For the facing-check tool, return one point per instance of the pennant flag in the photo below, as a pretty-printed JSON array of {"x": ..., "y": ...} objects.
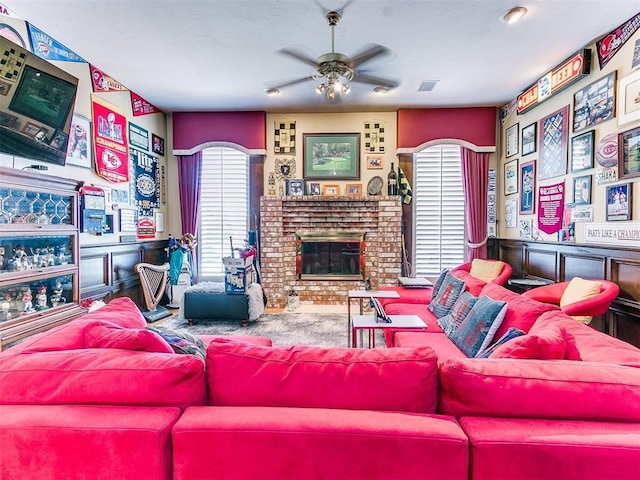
[
  {"x": 46, "y": 47},
  {"x": 104, "y": 83},
  {"x": 140, "y": 106},
  {"x": 405, "y": 189}
]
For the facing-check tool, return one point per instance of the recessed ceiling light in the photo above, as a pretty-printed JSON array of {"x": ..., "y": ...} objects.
[
  {"x": 272, "y": 91},
  {"x": 513, "y": 15},
  {"x": 381, "y": 89}
]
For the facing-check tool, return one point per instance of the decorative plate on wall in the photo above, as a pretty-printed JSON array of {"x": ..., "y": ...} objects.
[{"x": 374, "y": 187}]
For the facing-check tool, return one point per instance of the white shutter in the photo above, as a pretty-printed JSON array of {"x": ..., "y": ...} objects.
[
  {"x": 223, "y": 208},
  {"x": 439, "y": 210}
]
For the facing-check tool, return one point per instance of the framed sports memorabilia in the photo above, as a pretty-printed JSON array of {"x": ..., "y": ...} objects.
[
  {"x": 619, "y": 202},
  {"x": 629, "y": 153},
  {"x": 529, "y": 139},
  {"x": 628, "y": 95},
  {"x": 553, "y": 136},
  {"x": 512, "y": 141},
  {"x": 595, "y": 103},
  {"x": 511, "y": 177},
  {"x": 582, "y": 190},
  {"x": 527, "y": 187},
  {"x": 582, "y": 151}
]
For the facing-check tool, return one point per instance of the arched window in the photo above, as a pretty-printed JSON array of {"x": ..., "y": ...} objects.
[
  {"x": 224, "y": 205},
  {"x": 439, "y": 210}
]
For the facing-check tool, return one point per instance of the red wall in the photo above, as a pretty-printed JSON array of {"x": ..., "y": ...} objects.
[
  {"x": 474, "y": 125},
  {"x": 242, "y": 128}
]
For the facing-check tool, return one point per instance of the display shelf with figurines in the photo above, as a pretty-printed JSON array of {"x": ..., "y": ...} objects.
[{"x": 39, "y": 253}]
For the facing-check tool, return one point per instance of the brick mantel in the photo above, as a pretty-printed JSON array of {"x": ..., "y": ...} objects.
[{"x": 281, "y": 218}]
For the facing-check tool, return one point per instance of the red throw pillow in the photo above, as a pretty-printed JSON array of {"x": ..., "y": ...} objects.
[
  {"x": 522, "y": 313},
  {"x": 472, "y": 284},
  {"x": 546, "y": 344},
  {"x": 392, "y": 379},
  {"x": 114, "y": 336}
]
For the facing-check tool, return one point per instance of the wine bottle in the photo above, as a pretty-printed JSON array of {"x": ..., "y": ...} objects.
[{"x": 392, "y": 181}]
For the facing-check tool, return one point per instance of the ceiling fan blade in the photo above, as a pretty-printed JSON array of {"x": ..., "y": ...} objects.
[
  {"x": 293, "y": 82},
  {"x": 362, "y": 78},
  {"x": 367, "y": 55},
  {"x": 299, "y": 56}
]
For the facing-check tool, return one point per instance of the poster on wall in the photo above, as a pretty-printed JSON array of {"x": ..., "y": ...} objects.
[
  {"x": 79, "y": 146},
  {"x": 145, "y": 184},
  {"x": 146, "y": 227},
  {"x": 550, "y": 207},
  {"x": 110, "y": 140},
  {"x": 491, "y": 204}
]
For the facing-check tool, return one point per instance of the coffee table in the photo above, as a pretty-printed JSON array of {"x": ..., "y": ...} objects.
[
  {"x": 370, "y": 323},
  {"x": 361, "y": 295}
]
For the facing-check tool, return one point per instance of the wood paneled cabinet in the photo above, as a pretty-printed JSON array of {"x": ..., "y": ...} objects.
[{"x": 39, "y": 253}]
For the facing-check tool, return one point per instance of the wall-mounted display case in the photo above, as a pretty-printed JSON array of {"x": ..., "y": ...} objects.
[{"x": 39, "y": 253}]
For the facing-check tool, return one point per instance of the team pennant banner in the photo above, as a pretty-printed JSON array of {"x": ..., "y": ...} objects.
[
  {"x": 550, "y": 207},
  {"x": 141, "y": 107},
  {"x": 110, "y": 140},
  {"x": 46, "y": 47},
  {"x": 611, "y": 43},
  {"x": 104, "y": 83}
]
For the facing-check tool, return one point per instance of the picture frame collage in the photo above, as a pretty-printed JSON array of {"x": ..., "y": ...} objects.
[{"x": 566, "y": 145}]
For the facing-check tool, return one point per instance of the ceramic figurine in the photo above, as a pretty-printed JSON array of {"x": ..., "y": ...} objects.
[
  {"x": 57, "y": 298},
  {"x": 1, "y": 258}
]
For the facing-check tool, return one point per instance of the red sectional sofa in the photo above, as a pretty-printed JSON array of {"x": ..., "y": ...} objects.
[{"x": 102, "y": 398}]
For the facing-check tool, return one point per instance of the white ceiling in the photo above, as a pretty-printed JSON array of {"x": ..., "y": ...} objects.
[{"x": 213, "y": 55}]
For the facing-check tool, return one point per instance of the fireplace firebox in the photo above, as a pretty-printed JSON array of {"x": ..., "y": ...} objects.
[{"x": 330, "y": 256}]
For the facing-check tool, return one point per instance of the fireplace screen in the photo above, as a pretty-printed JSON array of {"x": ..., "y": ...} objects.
[{"x": 333, "y": 256}]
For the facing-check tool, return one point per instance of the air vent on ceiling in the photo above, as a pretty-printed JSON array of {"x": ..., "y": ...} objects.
[{"x": 427, "y": 86}]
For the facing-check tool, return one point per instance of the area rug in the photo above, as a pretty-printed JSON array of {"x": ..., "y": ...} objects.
[{"x": 319, "y": 329}]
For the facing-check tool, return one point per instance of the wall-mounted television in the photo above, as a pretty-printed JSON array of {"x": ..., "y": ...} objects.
[{"x": 36, "y": 105}]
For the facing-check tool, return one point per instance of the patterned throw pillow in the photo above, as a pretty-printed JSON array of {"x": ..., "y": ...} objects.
[
  {"x": 182, "y": 342},
  {"x": 450, "y": 322},
  {"x": 478, "y": 328},
  {"x": 512, "y": 333},
  {"x": 447, "y": 295},
  {"x": 438, "y": 284}
]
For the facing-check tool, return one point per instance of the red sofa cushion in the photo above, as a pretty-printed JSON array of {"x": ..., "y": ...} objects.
[
  {"x": 561, "y": 389},
  {"x": 102, "y": 376},
  {"x": 547, "y": 344},
  {"x": 86, "y": 441},
  {"x": 110, "y": 335},
  {"x": 121, "y": 311},
  {"x": 503, "y": 448},
  {"x": 438, "y": 342},
  {"x": 420, "y": 296},
  {"x": 472, "y": 284},
  {"x": 398, "y": 379},
  {"x": 306, "y": 443},
  {"x": 585, "y": 343},
  {"x": 522, "y": 313}
]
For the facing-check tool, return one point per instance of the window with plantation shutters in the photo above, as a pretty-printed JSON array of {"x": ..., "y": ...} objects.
[
  {"x": 439, "y": 210},
  {"x": 224, "y": 203}
]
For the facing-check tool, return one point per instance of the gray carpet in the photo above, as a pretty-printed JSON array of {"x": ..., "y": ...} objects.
[{"x": 319, "y": 329}]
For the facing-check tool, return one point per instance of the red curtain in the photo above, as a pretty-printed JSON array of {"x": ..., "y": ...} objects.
[
  {"x": 189, "y": 167},
  {"x": 475, "y": 178}
]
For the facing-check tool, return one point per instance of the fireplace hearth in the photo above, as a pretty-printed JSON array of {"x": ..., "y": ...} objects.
[{"x": 330, "y": 256}]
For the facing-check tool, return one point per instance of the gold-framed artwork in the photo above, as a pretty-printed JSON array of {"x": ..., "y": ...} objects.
[
  {"x": 354, "y": 189},
  {"x": 331, "y": 190},
  {"x": 375, "y": 162}
]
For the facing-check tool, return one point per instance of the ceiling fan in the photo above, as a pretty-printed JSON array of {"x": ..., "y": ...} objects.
[{"x": 335, "y": 70}]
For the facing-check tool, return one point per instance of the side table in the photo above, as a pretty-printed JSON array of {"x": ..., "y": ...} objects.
[
  {"x": 371, "y": 323},
  {"x": 361, "y": 295}
]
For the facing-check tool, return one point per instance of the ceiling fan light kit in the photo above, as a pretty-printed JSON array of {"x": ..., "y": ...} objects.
[{"x": 335, "y": 70}]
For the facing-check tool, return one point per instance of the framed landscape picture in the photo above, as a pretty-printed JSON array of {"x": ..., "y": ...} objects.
[
  {"x": 331, "y": 156},
  {"x": 554, "y": 132},
  {"x": 529, "y": 139},
  {"x": 595, "y": 103}
]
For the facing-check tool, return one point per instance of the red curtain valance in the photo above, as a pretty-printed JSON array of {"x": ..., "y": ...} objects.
[
  {"x": 247, "y": 129},
  {"x": 476, "y": 126}
]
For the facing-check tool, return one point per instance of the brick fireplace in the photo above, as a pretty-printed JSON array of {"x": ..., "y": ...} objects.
[{"x": 376, "y": 220}]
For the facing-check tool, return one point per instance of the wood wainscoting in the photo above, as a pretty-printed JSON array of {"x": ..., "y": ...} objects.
[
  {"x": 107, "y": 271},
  {"x": 558, "y": 262}
]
